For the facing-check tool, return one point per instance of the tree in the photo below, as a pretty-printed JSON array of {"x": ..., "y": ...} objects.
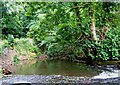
[
  {"x": 73, "y": 31},
  {"x": 14, "y": 19}
]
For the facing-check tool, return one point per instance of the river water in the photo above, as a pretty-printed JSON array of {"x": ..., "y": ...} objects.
[
  {"x": 65, "y": 68},
  {"x": 61, "y": 72}
]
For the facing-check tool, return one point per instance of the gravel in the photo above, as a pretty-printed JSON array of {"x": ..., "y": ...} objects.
[{"x": 53, "y": 79}]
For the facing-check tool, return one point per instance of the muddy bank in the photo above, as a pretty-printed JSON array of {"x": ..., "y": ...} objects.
[{"x": 36, "y": 79}]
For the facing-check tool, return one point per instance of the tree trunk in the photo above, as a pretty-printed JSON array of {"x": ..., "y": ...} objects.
[{"x": 93, "y": 29}]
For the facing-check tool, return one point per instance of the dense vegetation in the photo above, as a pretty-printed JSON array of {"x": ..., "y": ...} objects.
[{"x": 74, "y": 31}]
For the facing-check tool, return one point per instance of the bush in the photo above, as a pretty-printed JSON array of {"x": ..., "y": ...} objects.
[{"x": 107, "y": 49}]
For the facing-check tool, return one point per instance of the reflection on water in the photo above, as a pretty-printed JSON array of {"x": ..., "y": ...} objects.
[{"x": 57, "y": 68}]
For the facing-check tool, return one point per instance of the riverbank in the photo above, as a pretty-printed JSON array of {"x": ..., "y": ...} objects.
[{"x": 37, "y": 79}]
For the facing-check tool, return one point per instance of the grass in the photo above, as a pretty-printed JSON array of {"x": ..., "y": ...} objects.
[
  {"x": 24, "y": 47},
  {"x": 1, "y": 73}
]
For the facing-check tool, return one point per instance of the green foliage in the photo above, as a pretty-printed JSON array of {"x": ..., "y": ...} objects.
[
  {"x": 108, "y": 49},
  {"x": 62, "y": 29},
  {"x": 11, "y": 42},
  {"x": 25, "y": 45},
  {"x": 59, "y": 35},
  {"x": 8, "y": 43},
  {"x": 1, "y": 50},
  {"x": 1, "y": 72},
  {"x": 16, "y": 59},
  {"x": 14, "y": 21},
  {"x": 3, "y": 44}
]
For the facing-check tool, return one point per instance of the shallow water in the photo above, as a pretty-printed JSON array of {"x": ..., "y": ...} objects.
[
  {"x": 110, "y": 71},
  {"x": 65, "y": 68}
]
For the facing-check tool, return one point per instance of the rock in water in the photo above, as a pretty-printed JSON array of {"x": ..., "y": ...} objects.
[{"x": 6, "y": 71}]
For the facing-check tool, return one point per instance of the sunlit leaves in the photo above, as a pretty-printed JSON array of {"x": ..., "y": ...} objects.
[{"x": 56, "y": 29}]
